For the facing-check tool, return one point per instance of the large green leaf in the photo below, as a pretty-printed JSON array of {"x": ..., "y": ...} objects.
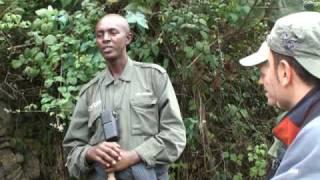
[
  {"x": 31, "y": 72},
  {"x": 137, "y": 18},
  {"x": 42, "y": 12},
  {"x": 50, "y": 39},
  {"x": 16, "y": 63}
]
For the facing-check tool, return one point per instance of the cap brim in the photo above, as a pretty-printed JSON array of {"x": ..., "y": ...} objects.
[{"x": 256, "y": 58}]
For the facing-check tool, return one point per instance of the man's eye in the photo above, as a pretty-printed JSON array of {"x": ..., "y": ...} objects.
[
  {"x": 113, "y": 32},
  {"x": 99, "y": 35}
]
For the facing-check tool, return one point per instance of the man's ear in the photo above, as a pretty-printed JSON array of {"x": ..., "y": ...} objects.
[
  {"x": 129, "y": 38},
  {"x": 284, "y": 73}
]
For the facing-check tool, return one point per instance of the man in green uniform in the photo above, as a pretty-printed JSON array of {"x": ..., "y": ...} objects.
[{"x": 141, "y": 97}]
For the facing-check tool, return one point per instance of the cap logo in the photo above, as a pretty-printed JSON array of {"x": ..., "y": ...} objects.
[{"x": 288, "y": 44}]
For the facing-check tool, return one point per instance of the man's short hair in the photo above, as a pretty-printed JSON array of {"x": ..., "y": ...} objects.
[{"x": 302, "y": 73}]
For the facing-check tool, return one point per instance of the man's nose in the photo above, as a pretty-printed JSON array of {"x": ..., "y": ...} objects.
[
  {"x": 260, "y": 81},
  {"x": 106, "y": 37}
]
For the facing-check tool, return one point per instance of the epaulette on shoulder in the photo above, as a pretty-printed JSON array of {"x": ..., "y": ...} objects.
[
  {"x": 89, "y": 84},
  {"x": 151, "y": 65}
]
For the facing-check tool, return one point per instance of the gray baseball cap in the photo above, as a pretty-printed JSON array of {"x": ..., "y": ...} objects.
[
  {"x": 296, "y": 35},
  {"x": 258, "y": 57}
]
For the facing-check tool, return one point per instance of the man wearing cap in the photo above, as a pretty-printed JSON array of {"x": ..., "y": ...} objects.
[{"x": 289, "y": 64}]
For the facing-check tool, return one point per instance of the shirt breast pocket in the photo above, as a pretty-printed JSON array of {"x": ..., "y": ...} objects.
[{"x": 145, "y": 116}]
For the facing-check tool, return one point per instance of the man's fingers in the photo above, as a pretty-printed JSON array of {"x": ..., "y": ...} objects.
[
  {"x": 112, "y": 150},
  {"x": 105, "y": 157},
  {"x": 107, "y": 153},
  {"x": 101, "y": 161},
  {"x": 113, "y": 145}
]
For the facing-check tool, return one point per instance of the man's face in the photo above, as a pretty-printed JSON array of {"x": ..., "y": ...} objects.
[
  {"x": 269, "y": 81},
  {"x": 112, "y": 37}
]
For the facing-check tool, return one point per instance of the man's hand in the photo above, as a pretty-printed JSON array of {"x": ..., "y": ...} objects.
[
  {"x": 128, "y": 158},
  {"x": 106, "y": 153}
]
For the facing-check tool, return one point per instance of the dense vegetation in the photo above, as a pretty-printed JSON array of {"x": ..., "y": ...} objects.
[{"x": 48, "y": 50}]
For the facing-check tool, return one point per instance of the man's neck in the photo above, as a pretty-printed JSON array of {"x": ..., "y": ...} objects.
[
  {"x": 117, "y": 66},
  {"x": 299, "y": 92}
]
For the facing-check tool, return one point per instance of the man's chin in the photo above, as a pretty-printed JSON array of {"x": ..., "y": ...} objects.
[
  {"x": 272, "y": 102},
  {"x": 109, "y": 57}
]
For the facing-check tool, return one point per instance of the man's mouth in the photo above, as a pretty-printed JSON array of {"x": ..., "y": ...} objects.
[{"x": 107, "y": 49}]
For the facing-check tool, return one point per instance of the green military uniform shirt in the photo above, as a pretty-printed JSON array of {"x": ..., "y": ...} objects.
[{"x": 150, "y": 120}]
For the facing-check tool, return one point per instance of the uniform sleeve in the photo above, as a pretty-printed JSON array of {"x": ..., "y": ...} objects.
[
  {"x": 76, "y": 140},
  {"x": 301, "y": 158},
  {"x": 169, "y": 143}
]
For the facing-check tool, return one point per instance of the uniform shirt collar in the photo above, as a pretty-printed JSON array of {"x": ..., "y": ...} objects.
[{"x": 125, "y": 76}]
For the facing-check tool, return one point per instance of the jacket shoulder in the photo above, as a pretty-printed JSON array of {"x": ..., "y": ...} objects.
[
  {"x": 92, "y": 82},
  {"x": 149, "y": 66}
]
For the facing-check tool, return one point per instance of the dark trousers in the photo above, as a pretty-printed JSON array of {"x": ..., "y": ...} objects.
[
  {"x": 137, "y": 172},
  {"x": 142, "y": 172}
]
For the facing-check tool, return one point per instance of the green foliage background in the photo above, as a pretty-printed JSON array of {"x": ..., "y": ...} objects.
[{"x": 48, "y": 52}]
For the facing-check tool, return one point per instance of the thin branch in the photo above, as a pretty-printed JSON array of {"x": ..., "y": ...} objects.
[
  {"x": 20, "y": 46},
  {"x": 5, "y": 36},
  {"x": 247, "y": 16},
  {"x": 2, "y": 91},
  {"x": 7, "y": 9},
  {"x": 174, "y": 61},
  {"x": 194, "y": 60}
]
